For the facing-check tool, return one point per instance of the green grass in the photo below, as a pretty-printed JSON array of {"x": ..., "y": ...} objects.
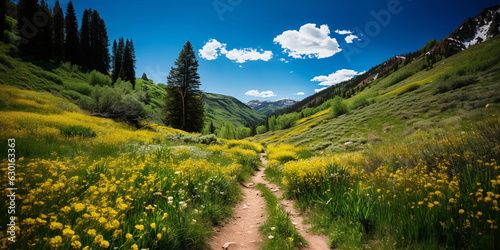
[
  {"x": 278, "y": 231},
  {"x": 71, "y": 82}
]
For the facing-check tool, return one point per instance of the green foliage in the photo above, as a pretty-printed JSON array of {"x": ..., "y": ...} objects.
[
  {"x": 184, "y": 105},
  {"x": 400, "y": 78},
  {"x": 359, "y": 103},
  {"x": 222, "y": 108},
  {"x": 197, "y": 139},
  {"x": 448, "y": 83},
  {"x": 78, "y": 131},
  {"x": 278, "y": 231},
  {"x": 338, "y": 107},
  {"x": 261, "y": 129},
  {"x": 227, "y": 131},
  {"x": 96, "y": 78},
  {"x": 409, "y": 88},
  {"x": 116, "y": 103}
]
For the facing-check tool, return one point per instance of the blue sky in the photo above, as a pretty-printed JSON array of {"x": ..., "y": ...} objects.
[{"x": 268, "y": 50}]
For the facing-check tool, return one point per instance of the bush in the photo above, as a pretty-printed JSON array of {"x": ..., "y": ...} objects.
[
  {"x": 74, "y": 131},
  {"x": 96, "y": 78},
  {"x": 451, "y": 83},
  {"x": 338, "y": 107},
  {"x": 49, "y": 76},
  {"x": 359, "y": 103},
  {"x": 198, "y": 139},
  {"x": 80, "y": 87}
]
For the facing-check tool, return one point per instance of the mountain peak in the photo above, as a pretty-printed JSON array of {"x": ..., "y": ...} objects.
[
  {"x": 476, "y": 30},
  {"x": 269, "y": 107}
]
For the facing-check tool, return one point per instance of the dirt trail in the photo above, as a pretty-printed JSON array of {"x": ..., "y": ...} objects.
[{"x": 242, "y": 231}]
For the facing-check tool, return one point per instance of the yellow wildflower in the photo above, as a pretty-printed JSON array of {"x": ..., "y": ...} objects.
[
  {"x": 76, "y": 244},
  {"x": 55, "y": 225},
  {"x": 56, "y": 241},
  {"x": 104, "y": 244}
]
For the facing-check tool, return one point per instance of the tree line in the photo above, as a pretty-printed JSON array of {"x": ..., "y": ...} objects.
[{"x": 49, "y": 34}]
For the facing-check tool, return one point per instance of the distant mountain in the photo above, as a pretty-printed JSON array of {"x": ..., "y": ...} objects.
[
  {"x": 479, "y": 29},
  {"x": 269, "y": 107},
  {"x": 473, "y": 31},
  {"x": 221, "y": 108}
]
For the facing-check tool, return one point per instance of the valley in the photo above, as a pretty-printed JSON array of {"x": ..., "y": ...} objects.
[{"x": 405, "y": 155}]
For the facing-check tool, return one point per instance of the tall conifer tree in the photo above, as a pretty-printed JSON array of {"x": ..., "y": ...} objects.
[
  {"x": 3, "y": 7},
  {"x": 129, "y": 62},
  {"x": 183, "y": 105},
  {"x": 28, "y": 31},
  {"x": 72, "y": 41},
  {"x": 85, "y": 46},
  {"x": 58, "y": 32},
  {"x": 45, "y": 40}
]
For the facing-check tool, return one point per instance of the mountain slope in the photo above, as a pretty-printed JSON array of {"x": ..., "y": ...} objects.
[
  {"x": 70, "y": 82},
  {"x": 270, "y": 107},
  {"x": 456, "y": 90},
  {"x": 221, "y": 108},
  {"x": 481, "y": 28}
]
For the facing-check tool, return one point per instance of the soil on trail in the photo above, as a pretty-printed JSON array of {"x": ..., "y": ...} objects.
[{"x": 242, "y": 231}]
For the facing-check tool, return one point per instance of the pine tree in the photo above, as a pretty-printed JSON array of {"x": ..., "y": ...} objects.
[
  {"x": 3, "y": 7},
  {"x": 129, "y": 62},
  {"x": 46, "y": 33},
  {"x": 184, "y": 105},
  {"x": 58, "y": 32},
  {"x": 118, "y": 50},
  {"x": 144, "y": 77},
  {"x": 71, "y": 45},
  {"x": 29, "y": 32},
  {"x": 99, "y": 57},
  {"x": 85, "y": 46}
]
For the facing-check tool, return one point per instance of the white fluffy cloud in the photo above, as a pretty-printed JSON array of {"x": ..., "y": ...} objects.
[
  {"x": 248, "y": 54},
  {"x": 308, "y": 42},
  {"x": 343, "y": 32},
  {"x": 319, "y": 90},
  {"x": 336, "y": 77},
  {"x": 350, "y": 38},
  {"x": 300, "y": 93},
  {"x": 213, "y": 49},
  {"x": 264, "y": 94}
]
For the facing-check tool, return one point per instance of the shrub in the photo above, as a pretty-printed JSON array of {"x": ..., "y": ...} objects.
[
  {"x": 452, "y": 83},
  {"x": 199, "y": 139},
  {"x": 74, "y": 131},
  {"x": 96, "y": 78},
  {"x": 338, "y": 107},
  {"x": 359, "y": 103}
]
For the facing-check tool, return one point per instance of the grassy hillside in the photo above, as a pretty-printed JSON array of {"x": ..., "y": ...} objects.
[
  {"x": 96, "y": 183},
  {"x": 70, "y": 82},
  {"x": 413, "y": 164},
  {"x": 221, "y": 108},
  {"x": 455, "y": 91}
]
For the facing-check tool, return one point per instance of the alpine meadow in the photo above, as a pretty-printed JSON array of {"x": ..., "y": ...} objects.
[{"x": 249, "y": 124}]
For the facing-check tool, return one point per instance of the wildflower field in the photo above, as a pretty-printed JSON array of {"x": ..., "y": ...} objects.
[
  {"x": 432, "y": 190},
  {"x": 91, "y": 183}
]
